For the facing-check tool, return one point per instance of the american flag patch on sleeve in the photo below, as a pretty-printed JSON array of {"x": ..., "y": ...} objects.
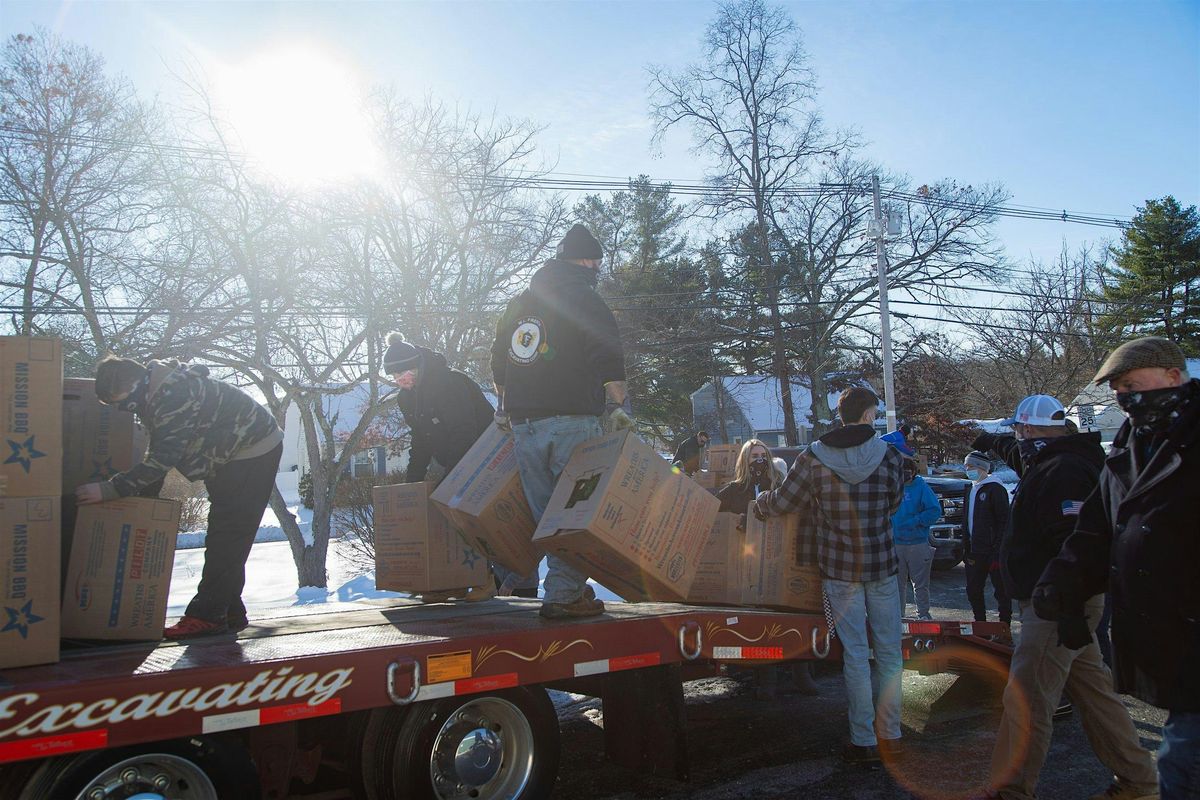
[{"x": 1071, "y": 508}]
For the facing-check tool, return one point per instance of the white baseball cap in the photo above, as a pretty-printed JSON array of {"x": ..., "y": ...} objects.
[{"x": 1038, "y": 409}]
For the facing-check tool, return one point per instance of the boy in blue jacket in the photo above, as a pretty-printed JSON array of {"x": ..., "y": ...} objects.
[{"x": 918, "y": 510}]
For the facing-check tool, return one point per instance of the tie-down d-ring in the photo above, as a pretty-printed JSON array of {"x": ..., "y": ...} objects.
[
  {"x": 684, "y": 629},
  {"x": 819, "y": 652},
  {"x": 393, "y": 669}
]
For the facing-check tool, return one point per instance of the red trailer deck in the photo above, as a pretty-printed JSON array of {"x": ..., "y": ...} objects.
[{"x": 449, "y": 698}]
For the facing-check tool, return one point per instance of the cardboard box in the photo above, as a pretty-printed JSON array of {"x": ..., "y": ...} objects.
[
  {"x": 98, "y": 440},
  {"x": 707, "y": 479},
  {"x": 31, "y": 378},
  {"x": 119, "y": 573},
  {"x": 719, "y": 575},
  {"x": 723, "y": 457},
  {"x": 29, "y": 571},
  {"x": 484, "y": 498},
  {"x": 416, "y": 548},
  {"x": 624, "y": 517},
  {"x": 775, "y": 575}
]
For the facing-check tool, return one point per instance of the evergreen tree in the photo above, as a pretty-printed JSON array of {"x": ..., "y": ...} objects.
[{"x": 1155, "y": 280}]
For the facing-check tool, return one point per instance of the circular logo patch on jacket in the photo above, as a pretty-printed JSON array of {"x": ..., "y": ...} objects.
[{"x": 528, "y": 340}]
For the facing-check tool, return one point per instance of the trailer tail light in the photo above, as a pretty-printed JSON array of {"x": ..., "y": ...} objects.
[{"x": 922, "y": 628}]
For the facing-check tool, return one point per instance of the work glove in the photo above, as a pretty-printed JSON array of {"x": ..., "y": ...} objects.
[
  {"x": 1047, "y": 602},
  {"x": 1073, "y": 631},
  {"x": 617, "y": 420},
  {"x": 756, "y": 507},
  {"x": 741, "y": 523},
  {"x": 502, "y": 421}
]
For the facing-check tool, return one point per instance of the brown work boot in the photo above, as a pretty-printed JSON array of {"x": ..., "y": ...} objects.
[
  {"x": 586, "y": 606},
  {"x": 443, "y": 596}
]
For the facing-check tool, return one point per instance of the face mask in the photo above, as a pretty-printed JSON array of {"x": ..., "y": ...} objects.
[
  {"x": 1154, "y": 410},
  {"x": 973, "y": 474},
  {"x": 758, "y": 466},
  {"x": 136, "y": 399},
  {"x": 1029, "y": 448}
]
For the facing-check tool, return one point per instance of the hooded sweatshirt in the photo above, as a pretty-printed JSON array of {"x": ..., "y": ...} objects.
[
  {"x": 196, "y": 424},
  {"x": 557, "y": 345},
  {"x": 848, "y": 484},
  {"x": 446, "y": 413}
]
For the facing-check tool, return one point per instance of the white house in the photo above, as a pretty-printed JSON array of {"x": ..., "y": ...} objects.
[{"x": 752, "y": 407}]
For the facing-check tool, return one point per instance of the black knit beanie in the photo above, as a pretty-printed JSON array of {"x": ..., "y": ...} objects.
[
  {"x": 400, "y": 356},
  {"x": 579, "y": 243}
]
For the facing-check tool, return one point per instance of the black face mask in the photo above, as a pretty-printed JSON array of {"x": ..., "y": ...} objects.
[
  {"x": 1029, "y": 448},
  {"x": 136, "y": 399},
  {"x": 1155, "y": 410},
  {"x": 758, "y": 467}
]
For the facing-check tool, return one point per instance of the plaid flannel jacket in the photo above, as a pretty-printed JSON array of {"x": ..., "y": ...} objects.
[{"x": 852, "y": 522}]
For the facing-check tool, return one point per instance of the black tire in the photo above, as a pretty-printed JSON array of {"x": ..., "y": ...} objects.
[
  {"x": 224, "y": 764},
  {"x": 372, "y": 739},
  {"x": 522, "y": 726}
]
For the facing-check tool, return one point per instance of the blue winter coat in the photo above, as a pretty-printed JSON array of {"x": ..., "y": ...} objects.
[{"x": 919, "y": 509}]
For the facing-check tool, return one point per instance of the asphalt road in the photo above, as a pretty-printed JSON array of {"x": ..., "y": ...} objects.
[{"x": 790, "y": 747}]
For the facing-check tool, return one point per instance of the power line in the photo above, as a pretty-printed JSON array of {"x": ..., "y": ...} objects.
[{"x": 553, "y": 182}]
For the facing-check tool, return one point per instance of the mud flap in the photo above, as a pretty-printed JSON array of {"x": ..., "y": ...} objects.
[{"x": 645, "y": 723}]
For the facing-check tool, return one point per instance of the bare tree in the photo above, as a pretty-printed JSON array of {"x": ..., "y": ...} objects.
[
  {"x": 750, "y": 103},
  {"x": 72, "y": 181}
]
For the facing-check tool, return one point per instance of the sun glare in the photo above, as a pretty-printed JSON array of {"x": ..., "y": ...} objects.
[{"x": 299, "y": 113}]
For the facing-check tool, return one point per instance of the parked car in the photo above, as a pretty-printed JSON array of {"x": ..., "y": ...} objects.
[{"x": 947, "y": 533}]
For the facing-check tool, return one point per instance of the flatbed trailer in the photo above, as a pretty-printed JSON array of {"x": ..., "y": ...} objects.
[{"x": 401, "y": 700}]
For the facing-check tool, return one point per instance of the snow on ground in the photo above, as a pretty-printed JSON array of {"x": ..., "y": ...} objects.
[{"x": 271, "y": 589}]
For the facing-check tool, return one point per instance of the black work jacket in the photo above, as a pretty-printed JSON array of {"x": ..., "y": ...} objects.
[
  {"x": 1139, "y": 537},
  {"x": 446, "y": 412}
]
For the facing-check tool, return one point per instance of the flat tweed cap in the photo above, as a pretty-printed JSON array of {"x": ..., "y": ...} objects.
[{"x": 1149, "y": 351}]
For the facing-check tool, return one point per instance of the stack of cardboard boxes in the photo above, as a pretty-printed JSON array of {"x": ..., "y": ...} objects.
[
  {"x": 54, "y": 436},
  {"x": 30, "y": 485},
  {"x": 619, "y": 513},
  {"x": 720, "y": 465},
  {"x": 120, "y": 553}
]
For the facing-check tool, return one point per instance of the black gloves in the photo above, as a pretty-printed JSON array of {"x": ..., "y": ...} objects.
[
  {"x": 1073, "y": 629},
  {"x": 1074, "y": 632},
  {"x": 1047, "y": 602}
]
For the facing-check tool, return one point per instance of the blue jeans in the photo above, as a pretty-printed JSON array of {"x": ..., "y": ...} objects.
[
  {"x": 854, "y": 605},
  {"x": 544, "y": 447},
  {"x": 1179, "y": 757}
]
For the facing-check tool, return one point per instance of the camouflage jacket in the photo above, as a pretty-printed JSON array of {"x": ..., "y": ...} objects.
[{"x": 196, "y": 424}]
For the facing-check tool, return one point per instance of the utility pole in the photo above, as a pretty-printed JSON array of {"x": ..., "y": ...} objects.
[{"x": 885, "y": 322}]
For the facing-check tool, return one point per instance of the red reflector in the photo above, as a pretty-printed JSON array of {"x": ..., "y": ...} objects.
[
  {"x": 924, "y": 628},
  {"x": 53, "y": 745},
  {"x": 762, "y": 652},
  {"x": 274, "y": 714}
]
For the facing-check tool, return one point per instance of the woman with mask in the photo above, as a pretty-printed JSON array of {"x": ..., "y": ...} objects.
[
  {"x": 207, "y": 430},
  {"x": 753, "y": 473}
]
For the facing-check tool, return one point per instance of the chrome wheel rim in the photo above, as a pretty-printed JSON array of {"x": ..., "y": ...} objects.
[
  {"x": 150, "y": 776},
  {"x": 483, "y": 751}
]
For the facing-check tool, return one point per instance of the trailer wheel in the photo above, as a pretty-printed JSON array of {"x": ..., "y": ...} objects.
[
  {"x": 185, "y": 769},
  {"x": 501, "y": 746}
]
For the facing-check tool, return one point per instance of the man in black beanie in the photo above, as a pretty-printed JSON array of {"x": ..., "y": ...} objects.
[
  {"x": 444, "y": 409},
  {"x": 559, "y": 368}
]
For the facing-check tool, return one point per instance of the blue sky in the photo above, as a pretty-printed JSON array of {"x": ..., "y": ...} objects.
[{"x": 1089, "y": 106}]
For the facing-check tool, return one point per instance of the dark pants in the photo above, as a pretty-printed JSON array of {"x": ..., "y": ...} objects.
[
  {"x": 1102, "y": 637},
  {"x": 237, "y": 494},
  {"x": 978, "y": 574}
]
